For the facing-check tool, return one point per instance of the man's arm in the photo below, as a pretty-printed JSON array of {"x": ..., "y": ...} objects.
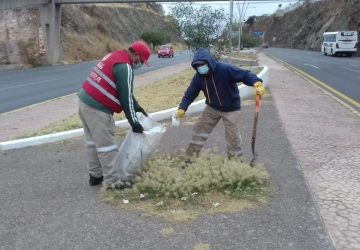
[
  {"x": 245, "y": 76},
  {"x": 190, "y": 94},
  {"x": 124, "y": 86}
]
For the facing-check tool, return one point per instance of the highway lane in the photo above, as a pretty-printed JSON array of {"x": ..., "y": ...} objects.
[
  {"x": 340, "y": 73},
  {"x": 25, "y": 87}
]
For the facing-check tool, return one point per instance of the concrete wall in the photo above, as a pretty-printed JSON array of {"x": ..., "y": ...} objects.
[{"x": 17, "y": 25}]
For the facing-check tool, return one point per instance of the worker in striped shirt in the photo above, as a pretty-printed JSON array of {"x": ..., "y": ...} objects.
[{"x": 107, "y": 90}]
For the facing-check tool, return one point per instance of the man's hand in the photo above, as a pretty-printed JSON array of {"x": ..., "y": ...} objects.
[
  {"x": 180, "y": 113},
  {"x": 137, "y": 128},
  {"x": 140, "y": 109},
  {"x": 259, "y": 89}
]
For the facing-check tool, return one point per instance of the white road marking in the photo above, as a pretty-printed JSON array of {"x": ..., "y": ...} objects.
[
  {"x": 27, "y": 84},
  {"x": 358, "y": 71},
  {"x": 311, "y": 66}
]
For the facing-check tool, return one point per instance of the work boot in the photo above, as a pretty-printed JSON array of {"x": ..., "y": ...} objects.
[{"x": 94, "y": 181}]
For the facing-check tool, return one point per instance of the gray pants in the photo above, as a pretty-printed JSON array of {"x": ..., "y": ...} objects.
[
  {"x": 100, "y": 143},
  {"x": 207, "y": 122}
]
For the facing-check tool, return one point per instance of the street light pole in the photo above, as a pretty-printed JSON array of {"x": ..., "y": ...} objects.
[
  {"x": 231, "y": 21},
  {"x": 231, "y": 12},
  {"x": 242, "y": 11}
]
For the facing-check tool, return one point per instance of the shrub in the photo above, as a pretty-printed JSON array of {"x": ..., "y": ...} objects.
[
  {"x": 29, "y": 53},
  {"x": 155, "y": 38},
  {"x": 165, "y": 177}
]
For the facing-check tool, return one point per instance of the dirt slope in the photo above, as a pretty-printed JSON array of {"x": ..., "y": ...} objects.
[{"x": 89, "y": 31}]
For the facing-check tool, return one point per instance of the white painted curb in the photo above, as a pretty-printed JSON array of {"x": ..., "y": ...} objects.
[{"x": 195, "y": 107}]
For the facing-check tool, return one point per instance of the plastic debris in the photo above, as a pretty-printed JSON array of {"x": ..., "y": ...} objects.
[
  {"x": 174, "y": 121},
  {"x": 193, "y": 194},
  {"x": 142, "y": 196},
  {"x": 184, "y": 198},
  {"x": 160, "y": 203},
  {"x": 216, "y": 204},
  {"x": 125, "y": 201}
]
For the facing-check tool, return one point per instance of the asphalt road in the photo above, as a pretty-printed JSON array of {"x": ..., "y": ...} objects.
[
  {"x": 21, "y": 88},
  {"x": 340, "y": 73}
]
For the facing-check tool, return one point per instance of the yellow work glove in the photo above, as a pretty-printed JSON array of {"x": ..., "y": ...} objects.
[
  {"x": 180, "y": 113},
  {"x": 259, "y": 89}
]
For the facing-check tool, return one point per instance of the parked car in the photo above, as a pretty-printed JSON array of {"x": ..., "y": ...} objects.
[
  {"x": 265, "y": 45},
  {"x": 166, "y": 51}
]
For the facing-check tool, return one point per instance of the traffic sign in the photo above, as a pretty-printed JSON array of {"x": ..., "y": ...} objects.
[{"x": 259, "y": 33}]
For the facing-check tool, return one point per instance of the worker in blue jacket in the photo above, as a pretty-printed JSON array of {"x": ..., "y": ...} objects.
[{"x": 219, "y": 83}]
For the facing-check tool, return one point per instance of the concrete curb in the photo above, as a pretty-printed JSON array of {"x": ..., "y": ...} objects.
[{"x": 245, "y": 92}]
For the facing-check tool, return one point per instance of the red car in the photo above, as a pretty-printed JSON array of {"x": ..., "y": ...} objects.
[{"x": 166, "y": 51}]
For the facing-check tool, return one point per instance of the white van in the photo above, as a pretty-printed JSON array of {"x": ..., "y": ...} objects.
[{"x": 339, "y": 42}]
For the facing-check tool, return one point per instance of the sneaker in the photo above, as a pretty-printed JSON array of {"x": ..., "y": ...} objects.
[{"x": 94, "y": 181}]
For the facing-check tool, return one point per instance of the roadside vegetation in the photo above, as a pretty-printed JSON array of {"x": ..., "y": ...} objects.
[{"x": 211, "y": 184}]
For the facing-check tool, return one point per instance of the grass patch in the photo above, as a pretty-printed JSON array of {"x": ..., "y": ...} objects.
[
  {"x": 244, "y": 55},
  {"x": 211, "y": 184},
  {"x": 69, "y": 123},
  {"x": 166, "y": 232},
  {"x": 202, "y": 246}
]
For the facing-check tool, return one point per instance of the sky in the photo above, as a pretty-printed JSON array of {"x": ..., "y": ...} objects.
[{"x": 253, "y": 9}]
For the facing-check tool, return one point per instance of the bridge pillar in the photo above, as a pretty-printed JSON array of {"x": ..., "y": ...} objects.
[{"x": 50, "y": 18}]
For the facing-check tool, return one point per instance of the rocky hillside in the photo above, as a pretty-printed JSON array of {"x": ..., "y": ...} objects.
[
  {"x": 90, "y": 31},
  {"x": 303, "y": 27},
  {"x": 87, "y": 31}
]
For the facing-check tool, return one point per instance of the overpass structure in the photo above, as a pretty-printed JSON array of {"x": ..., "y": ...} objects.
[{"x": 50, "y": 17}]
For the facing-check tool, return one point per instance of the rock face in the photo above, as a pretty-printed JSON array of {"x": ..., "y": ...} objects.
[
  {"x": 302, "y": 28},
  {"x": 87, "y": 31}
]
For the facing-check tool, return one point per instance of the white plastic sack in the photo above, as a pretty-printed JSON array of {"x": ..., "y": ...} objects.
[
  {"x": 137, "y": 149},
  {"x": 175, "y": 122}
]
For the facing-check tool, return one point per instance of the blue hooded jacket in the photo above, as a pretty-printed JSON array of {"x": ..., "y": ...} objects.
[{"x": 219, "y": 86}]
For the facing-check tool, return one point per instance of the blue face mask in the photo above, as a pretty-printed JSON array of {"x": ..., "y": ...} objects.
[
  {"x": 203, "y": 70},
  {"x": 137, "y": 66}
]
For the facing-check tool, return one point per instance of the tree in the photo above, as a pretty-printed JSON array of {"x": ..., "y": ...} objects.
[
  {"x": 155, "y": 38},
  {"x": 199, "y": 27},
  {"x": 251, "y": 20}
]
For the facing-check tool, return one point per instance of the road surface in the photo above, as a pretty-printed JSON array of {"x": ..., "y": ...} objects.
[
  {"x": 21, "y": 88},
  {"x": 340, "y": 73}
]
